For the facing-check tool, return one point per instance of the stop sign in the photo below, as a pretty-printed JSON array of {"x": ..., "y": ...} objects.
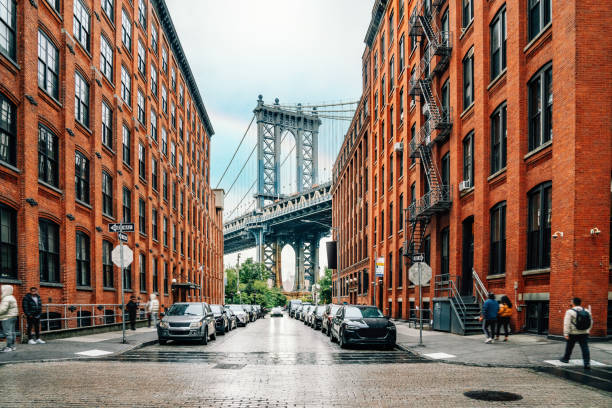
[{"x": 128, "y": 256}]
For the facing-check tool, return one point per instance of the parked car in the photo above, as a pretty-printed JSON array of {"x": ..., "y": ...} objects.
[
  {"x": 298, "y": 311},
  {"x": 241, "y": 315},
  {"x": 307, "y": 313},
  {"x": 316, "y": 318},
  {"x": 355, "y": 324},
  {"x": 233, "y": 320},
  {"x": 187, "y": 321},
  {"x": 328, "y": 315},
  {"x": 221, "y": 320},
  {"x": 293, "y": 306},
  {"x": 251, "y": 312},
  {"x": 304, "y": 310},
  {"x": 276, "y": 312},
  {"x": 259, "y": 310}
]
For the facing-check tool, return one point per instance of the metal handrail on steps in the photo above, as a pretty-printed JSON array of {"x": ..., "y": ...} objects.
[{"x": 479, "y": 288}]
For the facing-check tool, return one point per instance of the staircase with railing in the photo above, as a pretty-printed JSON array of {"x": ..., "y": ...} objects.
[{"x": 465, "y": 309}]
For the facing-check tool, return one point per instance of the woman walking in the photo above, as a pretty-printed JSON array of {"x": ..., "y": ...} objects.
[
  {"x": 504, "y": 314},
  {"x": 8, "y": 316}
]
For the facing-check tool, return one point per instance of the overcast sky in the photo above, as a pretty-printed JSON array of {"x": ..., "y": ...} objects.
[{"x": 296, "y": 50}]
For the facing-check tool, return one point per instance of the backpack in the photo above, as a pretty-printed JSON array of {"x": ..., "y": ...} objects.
[{"x": 583, "y": 319}]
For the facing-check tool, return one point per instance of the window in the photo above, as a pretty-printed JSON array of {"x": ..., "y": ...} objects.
[
  {"x": 538, "y": 238},
  {"x": 142, "y": 14},
  {"x": 400, "y": 208},
  {"x": 48, "y": 251},
  {"x": 165, "y": 231},
  {"x": 164, "y": 60},
  {"x": 539, "y": 16},
  {"x": 174, "y": 195},
  {"x": 400, "y": 268},
  {"x": 180, "y": 164},
  {"x": 375, "y": 64},
  {"x": 126, "y": 30},
  {"x": 81, "y": 99},
  {"x": 402, "y": 54},
  {"x": 391, "y": 27},
  {"x": 540, "y": 98},
  {"x": 173, "y": 114},
  {"x": 401, "y": 106},
  {"x": 390, "y": 273},
  {"x": 142, "y": 167},
  {"x": 48, "y": 153},
  {"x": 155, "y": 275},
  {"x": 107, "y": 264},
  {"x": 446, "y": 99},
  {"x": 126, "y": 86},
  {"x": 109, "y": 8},
  {"x": 498, "y": 139},
  {"x": 164, "y": 138},
  {"x": 173, "y": 154},
  {"x": 127, "y": 277},
  {"x": 154, "y": 174},
  {"x": 154, "y": 224},
  {"x": 127, "y": 205},
  {"x": 154, "y": 81},
  {"x": 81, "y": 177},
  {"x": 382, "y": 48},
  {"x": 497, "y": 264},
  {"x": 48, "y": 65},
  {"x": 391, "y": 171},
  {"x": 468, "y": 158},
  {"x": 174, "y": 237},
  {"x": 8, "y": 242},
  {"x": 468, "y": 12},
  {"x": 127, "y": 143},
  {"x": 106, "y": 58},
  {"x": 444, "y": 261},
  {"x": 382, "y": 225},
  {"x": 498, "y": 43},
  {"x": 107, "y": 194},
  {"x": 142, "y": 59},
  {"x": 391, "y": 74},
  {"x": 164, "y": 97},
  {"x": 173, "y": 79},
  {"x": 165, "y": 277},
  {"x": 181, "y": 95},
  {"x": 382, "y": 92},
  {"x": 142, "y": 217},
  {"x": 181, "y": 133},
  {"x": 165, "y": 185},
  {"x": 82, "y": 259},
  {"x": 154, "y": 38},
  {"x": 445, "y": 169},
  {"x": 468, "y": 79},
  {"x": 142, "y": 269},
  {"x": 390, "y": 219},
  {"x": 141, "y": 107},
  {"x": 81, "y": 24},
  {"x": 8, "y": 131}
]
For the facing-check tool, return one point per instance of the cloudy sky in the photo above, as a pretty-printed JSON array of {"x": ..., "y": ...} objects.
[{"x": 305, "y": 51}]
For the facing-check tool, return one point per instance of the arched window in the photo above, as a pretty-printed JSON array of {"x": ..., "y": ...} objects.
[
  {"x": 8, "y": 242},
  {"x": 497, "y": 263},
  {"x": 107, "y": 264},
  {"x": 8, "y": 131},
  {"x": 82, "y": 259},
  {"x": 48, "y": 251}
]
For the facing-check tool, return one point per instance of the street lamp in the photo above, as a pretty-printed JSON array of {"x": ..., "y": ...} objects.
[{"x": 337, "y": 267}]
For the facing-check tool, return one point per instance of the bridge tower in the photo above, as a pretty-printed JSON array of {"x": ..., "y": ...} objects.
[{"x": 272, "y": 122}]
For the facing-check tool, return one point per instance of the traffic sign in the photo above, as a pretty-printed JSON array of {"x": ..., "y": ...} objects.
[
  {"x": 122, "y": 237},
  {"x": 128, "y": 256},
  {"x": 121, "y": 227},
  {"x": 380, "y": 266},
  {"x": 420, "y": 273},
  {"x": 418, "y": 258}
]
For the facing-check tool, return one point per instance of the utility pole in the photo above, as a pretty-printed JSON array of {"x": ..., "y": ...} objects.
[{"x": 238, "y": 278}]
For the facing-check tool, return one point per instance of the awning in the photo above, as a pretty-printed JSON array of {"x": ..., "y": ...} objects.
[{"x": 187, "y": 285}]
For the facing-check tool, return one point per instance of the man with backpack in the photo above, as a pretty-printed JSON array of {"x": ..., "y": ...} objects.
[{"x": 576, "y": 326}]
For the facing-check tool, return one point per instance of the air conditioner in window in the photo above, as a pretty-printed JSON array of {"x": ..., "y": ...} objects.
[
  {"x": 398, "y": 147},
  {"x": 464, "y": 185}
]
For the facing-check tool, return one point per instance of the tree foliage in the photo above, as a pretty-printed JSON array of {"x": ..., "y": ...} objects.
[
  {"x": 326, "y": 287},
  {"x": 254, "y": 288}
]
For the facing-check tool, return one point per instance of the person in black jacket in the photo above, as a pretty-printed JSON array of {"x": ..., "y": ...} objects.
[
  {"x": 132, "y": 308},
  {"x": 32, "y": 307}
]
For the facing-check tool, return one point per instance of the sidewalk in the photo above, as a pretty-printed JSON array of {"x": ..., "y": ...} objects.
[
  {"x": 93, "y": 345},
  {"x": 521, "y": 350}
]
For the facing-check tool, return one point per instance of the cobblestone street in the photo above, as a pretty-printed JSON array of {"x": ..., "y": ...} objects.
[{"x": 276, "y": 362}]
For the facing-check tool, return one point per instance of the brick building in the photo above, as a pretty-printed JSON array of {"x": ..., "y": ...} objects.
[
  {"x": 461, "y": 136},
  {"x": 101, "y": 122}
]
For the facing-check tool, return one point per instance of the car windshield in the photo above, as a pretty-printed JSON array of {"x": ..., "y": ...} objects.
[
  {"x": 237, "y": 308},
  {"x": 216, "y": 309},
  {"x": 334, "y": 309},
  {"x": 358, "y": 313},
  {"x": 186, "y": 309}
]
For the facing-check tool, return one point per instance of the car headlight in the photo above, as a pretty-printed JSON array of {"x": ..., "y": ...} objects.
[
  {"x": 352, "y": 327},
  {"x": 195, "y": 325},
  {"x": 163, "y": 325}
]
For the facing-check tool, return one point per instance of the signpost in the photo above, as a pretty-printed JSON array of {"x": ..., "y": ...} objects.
[
  {"x": 420, "y": 274},
  {"x": 378, "y": 273},
  {"x": 122, "y": 257}
]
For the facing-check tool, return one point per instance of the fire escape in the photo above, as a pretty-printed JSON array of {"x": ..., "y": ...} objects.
[{"x": 438, "y": 123}]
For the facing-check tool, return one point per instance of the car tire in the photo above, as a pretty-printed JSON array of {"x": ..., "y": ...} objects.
[
  {"x": 331, "y": 337},
  {"x": 204, "y": 339},
  {"x": 322, "y": 331},
  {"x": 223, "y": 329},
  {"x": 213, "y": 336},
  {"x": 163, "y": 342},
  {"x": 341, "y": 341}
]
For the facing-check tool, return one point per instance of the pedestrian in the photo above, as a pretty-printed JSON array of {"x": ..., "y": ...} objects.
[
  {"x": 140, "y": 308},
  {"x": 576, "y": 327},
  {"x": 153, "y": 309},
  {"x": 8, "y": 316},
  {"x": 489, "y": 317},
  {"x": 503, "y": 316},
  {"x": 132, "y": 308},
  {"x": 32, "y": 307}
]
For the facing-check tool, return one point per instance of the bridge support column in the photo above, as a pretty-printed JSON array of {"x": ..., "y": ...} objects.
[
  {"x": 272, "y": 262},
  {"x": 299, "y": 265}
]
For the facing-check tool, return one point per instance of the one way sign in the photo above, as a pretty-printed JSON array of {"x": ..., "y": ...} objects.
[{"x": 124, "y": 227}]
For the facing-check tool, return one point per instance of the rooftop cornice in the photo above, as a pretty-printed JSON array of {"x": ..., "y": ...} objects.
[
  {"x": 168, "y": 26},
  {"x": 378, "y": 11}
]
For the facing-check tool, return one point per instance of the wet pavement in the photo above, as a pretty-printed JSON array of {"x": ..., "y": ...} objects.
[{"x": 277, "y": 362}]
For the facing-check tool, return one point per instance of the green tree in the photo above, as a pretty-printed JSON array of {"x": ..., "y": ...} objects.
[
  {"x": 253, "y": 286},
  {"x": 326, "y": 287}
]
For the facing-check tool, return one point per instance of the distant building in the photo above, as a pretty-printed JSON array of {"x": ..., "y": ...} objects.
[
  {"x": 489, "y": 125},
  {"x": 101, "y": 122}
]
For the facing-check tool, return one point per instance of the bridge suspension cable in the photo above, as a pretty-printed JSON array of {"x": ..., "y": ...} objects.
[
  {"x": 241, "y": 170},
  {"x": 235, "y": 152}
]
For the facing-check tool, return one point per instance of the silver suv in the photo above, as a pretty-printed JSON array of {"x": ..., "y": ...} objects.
[{"x": 187, "y": 321}]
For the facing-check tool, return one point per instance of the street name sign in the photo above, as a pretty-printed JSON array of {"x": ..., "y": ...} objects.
[
  {"x": 122, "y": 237},
  {"x": 380, "y": 267},
  {"x": 121, "y": 227},
  {"x": 420, "y": 273},
  {"x": 128, "y": 256},
  {"x": 418, "y": 257}
]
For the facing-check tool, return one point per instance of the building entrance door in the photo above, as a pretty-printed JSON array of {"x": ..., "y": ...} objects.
[{"x": 467, "y": 257}]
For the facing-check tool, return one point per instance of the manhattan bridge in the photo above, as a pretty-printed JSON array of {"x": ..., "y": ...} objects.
[{"x": 281, "y": 191}]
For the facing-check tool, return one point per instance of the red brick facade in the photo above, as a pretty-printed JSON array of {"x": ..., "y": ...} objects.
[
  {"x": 198, "y": 219},
  {"x": 576, "y": 162}
]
